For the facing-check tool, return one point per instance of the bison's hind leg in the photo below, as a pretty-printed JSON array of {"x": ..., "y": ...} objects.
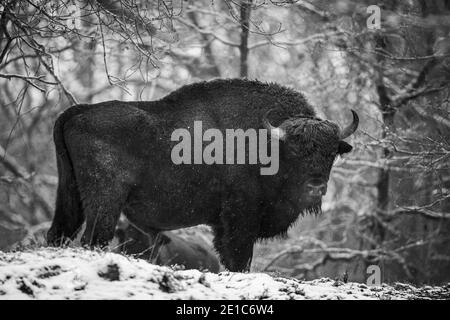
[
  {"x": 102, "y": 206},
  {"x": 104, "y": 186}
]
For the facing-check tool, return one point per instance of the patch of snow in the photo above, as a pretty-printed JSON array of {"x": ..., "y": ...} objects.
[{"x": 76, "y": 273}]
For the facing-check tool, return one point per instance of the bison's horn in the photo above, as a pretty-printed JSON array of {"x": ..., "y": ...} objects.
[
  {"x": 350, "y": 129},
  {"x": 277, "y": 133}
]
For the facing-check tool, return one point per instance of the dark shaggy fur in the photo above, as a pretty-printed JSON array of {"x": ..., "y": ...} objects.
[{"x": 115, "y": 157}]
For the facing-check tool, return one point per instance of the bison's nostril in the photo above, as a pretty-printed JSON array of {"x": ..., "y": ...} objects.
[{"x": 317, "y": 190}]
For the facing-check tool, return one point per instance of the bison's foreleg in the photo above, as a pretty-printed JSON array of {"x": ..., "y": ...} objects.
[
  {"x": 235, "y": 249},
  {"x": 235, "y": 236},
  {"x": 237, "y": 253}
]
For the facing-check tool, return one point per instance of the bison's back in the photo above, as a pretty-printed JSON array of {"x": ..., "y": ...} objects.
[{"x": 228, "y": 104}]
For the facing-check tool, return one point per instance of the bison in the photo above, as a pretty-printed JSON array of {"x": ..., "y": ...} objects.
[
  {"x": 115, "y": 157},
  {"x": 168, "y": 248}
]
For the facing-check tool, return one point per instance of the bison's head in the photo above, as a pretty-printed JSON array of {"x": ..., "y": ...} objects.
[{"x": 308, "y": 148}]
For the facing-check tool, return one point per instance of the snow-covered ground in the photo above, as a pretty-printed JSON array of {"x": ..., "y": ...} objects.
[{"x": 75, "y": 273}]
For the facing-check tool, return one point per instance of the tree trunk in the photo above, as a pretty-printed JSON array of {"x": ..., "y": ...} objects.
[{"x": 245, "y": 25}]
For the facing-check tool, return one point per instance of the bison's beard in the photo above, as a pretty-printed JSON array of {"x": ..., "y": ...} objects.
[
  {"x": 284, "y": 215},
  {"x": 315, "y": 209},
  {"x": 305, "y": 207}
]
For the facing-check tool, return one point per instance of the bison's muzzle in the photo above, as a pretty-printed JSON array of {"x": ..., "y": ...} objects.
[{"x": 316, "y": 187}]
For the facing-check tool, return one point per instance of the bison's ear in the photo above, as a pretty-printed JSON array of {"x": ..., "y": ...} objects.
[{"x": 344, "y": 147}]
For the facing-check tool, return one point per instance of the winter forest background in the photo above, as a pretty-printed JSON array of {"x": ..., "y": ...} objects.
[{"x": 388, "y": 202}]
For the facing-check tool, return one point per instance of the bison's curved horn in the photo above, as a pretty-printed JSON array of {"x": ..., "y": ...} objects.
[
  {"x": 277, "y": 133},
  {"x": 350, "y": 129}
]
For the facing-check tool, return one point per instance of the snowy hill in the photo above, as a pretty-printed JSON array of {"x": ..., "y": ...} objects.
[{"x": 55, "y": 273}]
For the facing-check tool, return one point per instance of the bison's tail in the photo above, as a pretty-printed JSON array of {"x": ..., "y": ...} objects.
[{"x": 68, "y": 217}]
